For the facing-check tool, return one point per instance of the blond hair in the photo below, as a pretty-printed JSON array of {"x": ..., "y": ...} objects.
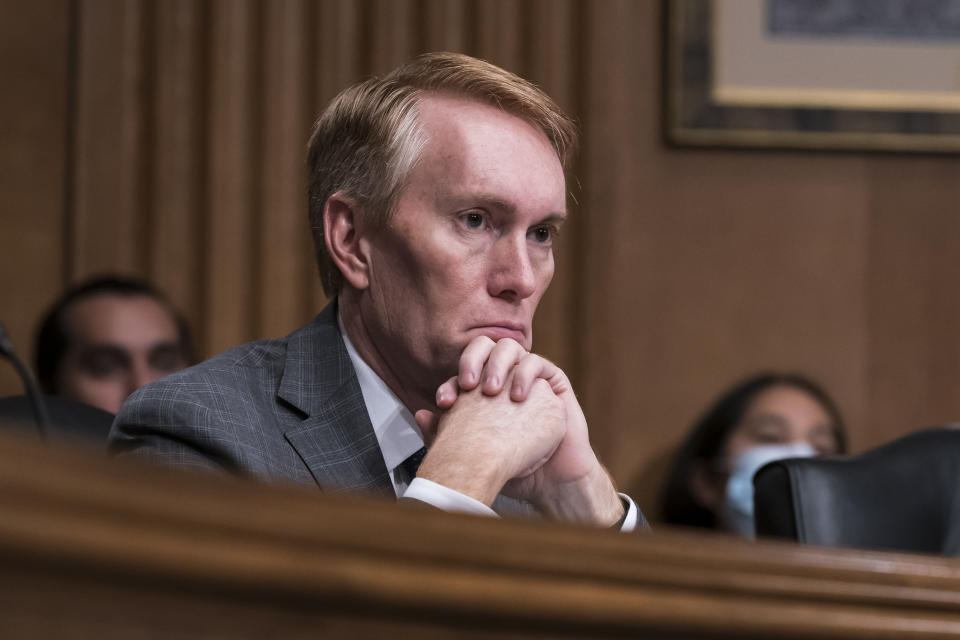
[{"x": 367, "y": 140}]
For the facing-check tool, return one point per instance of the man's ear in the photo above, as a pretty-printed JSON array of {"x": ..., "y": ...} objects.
[{"x": 342, "y": 237}]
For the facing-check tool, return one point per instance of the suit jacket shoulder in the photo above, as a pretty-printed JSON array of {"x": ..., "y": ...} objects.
[{"x": 282, "y": 409}]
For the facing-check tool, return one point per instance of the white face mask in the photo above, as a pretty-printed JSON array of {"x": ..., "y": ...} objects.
[{"x": 738, "y": 504}]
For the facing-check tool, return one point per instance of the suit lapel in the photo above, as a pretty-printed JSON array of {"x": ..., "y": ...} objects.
[{"x": 335, "y": 439}]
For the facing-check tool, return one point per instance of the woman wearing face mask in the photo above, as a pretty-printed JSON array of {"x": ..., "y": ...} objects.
[{"x": 764, "y": 418}]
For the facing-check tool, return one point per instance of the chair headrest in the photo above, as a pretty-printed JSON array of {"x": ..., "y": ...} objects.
[
  {"x": 69, "y": 419},
  {"x": 904, "y": 495}
]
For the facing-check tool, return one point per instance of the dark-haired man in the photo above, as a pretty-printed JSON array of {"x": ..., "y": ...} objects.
[
  {"x": 106, "y": 337},
  {"x": 434, "y": 196}
]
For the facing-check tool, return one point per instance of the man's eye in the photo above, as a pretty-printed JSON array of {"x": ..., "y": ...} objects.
[
  {"x": 166, "y": 358},
  {"x": 542, "y": 235},
  {"x": 103, "y": 365},
  {"x": 473, "y": 220}
]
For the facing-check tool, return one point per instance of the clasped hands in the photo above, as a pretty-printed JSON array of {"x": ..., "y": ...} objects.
[{"x": 509, "y": 422}]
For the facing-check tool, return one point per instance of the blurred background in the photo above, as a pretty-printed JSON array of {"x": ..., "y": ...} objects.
[{"x": 167, "y": 139}]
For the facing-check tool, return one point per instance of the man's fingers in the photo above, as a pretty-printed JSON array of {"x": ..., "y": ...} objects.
[
  {"x": 447, "y": 393},
  {"x": 472, "y": 360},
  {"x": 496, "y": 366},
  {"x": 500, "y": 364},
  {"x": 488, "y": 363},
  {"x": 427, "y": 421},
  {"x": 531, "y": 368}
]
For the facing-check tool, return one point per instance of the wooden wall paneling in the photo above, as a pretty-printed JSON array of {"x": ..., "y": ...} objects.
[
  {"x": 33, "y": 167},
  {"x": 311, "y": 296},
  {"x": 501, "y": 33},
  {"x": 914, "y": 296},
  {"x": 109, "y": 209},
  {"x": 776, "y": 285},
  {"x": 338, "y": 63},
  {"x": 285, "y": 244},
  {"x": 392, "y": 37},
  {"x": 614, "y": 303},
  {"x": 340, "y": 60},
  {"x": 231, "y": 255},
  {"x": 177, "y": 234},
  {"x": 554, "y": 66},
  {"x": 444, "y": 25},
  {"x": 705, "y": 267}
]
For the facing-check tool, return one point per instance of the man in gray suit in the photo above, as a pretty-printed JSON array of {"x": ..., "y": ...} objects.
[{"x": 434, "y": 197}]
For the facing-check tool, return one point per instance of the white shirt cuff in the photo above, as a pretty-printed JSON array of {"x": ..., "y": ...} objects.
[
  {"x": 633, "y": 514},
  {"x": 447, "y": 499}
]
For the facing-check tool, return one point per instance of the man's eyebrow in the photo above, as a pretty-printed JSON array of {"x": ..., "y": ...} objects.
[
  {"x": 496, "y": 202},
  {"x": 101, "y": 347},
  {"x": 557, "y": 218},
  {"x": 165, "y": 345},
  {"x": 90, "y": 352},
  {"x": 458, "y": 200}
]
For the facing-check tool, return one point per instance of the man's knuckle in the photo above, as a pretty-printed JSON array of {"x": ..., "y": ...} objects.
[
  {"x": 479, "y": 342},
  {"x": 509, "y": 343}
]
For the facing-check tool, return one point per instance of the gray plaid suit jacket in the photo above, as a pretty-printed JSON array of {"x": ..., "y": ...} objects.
[
  {"x": 285, "y": 409},
  {"x": 282, "y": 410}
]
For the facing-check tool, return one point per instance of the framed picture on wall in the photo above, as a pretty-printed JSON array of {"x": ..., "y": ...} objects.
[{"x": 815, "y": 74}]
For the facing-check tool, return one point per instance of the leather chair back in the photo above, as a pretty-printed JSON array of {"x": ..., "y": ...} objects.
[
  {"x": 70, "y": 421},
  {"x": 903, "y": 496}
]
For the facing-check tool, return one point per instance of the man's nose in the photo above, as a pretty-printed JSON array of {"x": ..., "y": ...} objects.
[
  {"x": 512, "y": 274},
  {"x": 141, "y": 374}
]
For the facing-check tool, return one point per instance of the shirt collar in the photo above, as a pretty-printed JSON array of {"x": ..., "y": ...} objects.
[{"x": 396, "y": 430}]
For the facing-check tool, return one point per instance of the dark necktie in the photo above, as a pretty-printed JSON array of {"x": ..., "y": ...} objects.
[{"x": 411, "y": 464}]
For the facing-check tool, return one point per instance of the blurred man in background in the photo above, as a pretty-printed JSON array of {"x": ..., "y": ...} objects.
[{"x": 106, "y": 337}]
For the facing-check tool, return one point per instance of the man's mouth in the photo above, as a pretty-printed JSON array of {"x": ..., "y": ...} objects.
[{"x": 499, "y": 331}]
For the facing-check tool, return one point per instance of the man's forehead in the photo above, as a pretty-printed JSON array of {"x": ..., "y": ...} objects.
[
  {"x": 458, "y": 117},
  {"x": 474, "y": 150},
  {"x": 106, "y": 314}
]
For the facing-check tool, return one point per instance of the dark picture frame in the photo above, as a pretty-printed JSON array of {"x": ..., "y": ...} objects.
[{"x": 692, "y": 117}]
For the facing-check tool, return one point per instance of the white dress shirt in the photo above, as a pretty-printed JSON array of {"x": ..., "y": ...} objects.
[{"x": 399, "y": 436}]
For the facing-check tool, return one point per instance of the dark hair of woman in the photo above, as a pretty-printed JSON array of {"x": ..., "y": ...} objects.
[{"x": 708, "y": 438}]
